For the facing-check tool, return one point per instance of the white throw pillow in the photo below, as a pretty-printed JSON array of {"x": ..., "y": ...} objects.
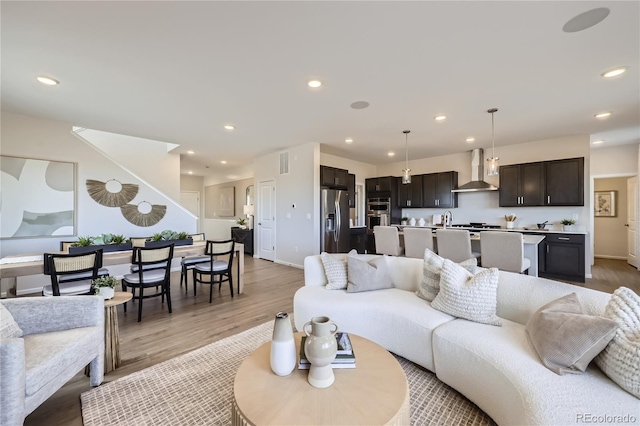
[
  {"x": 432, "y": 267},
  {"x": 335, "y": 268},
  {"x": 468, "y": 296},
  {"x": 620, "y": 360},
  {"x": 9, "y": 329},
  {"x": 368, "y": 276}
]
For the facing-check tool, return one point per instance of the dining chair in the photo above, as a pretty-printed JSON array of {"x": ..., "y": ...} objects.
[
  {"x": 503, "y": 250},
  {"x": 153, "y": 269},
  {"x": 214, "y": 267},
  {"x": 187, "y": 263},
  {"x": 138, "y": 241},
  {"x": 71, "y": 274},
  {"x": 455, "y": 245},
  {"x": 416, "y": 240},
  {"x": 387, "y": 240}
]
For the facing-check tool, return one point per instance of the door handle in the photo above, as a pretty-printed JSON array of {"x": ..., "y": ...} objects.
[
  {"x": 259, "y": 223},
  {"x": 564, "y": 238},
  {"x": 548, "y": 199},
  {"x": 626, "y": 224}
]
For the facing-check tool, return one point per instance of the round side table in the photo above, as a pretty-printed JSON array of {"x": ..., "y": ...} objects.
[
  {"x": 375, "y": 392},
  {"x": 111, "y": 330}
]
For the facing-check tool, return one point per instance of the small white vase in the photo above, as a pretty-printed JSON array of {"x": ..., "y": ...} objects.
[
  {"x": 107, "y": 292},
  {"x": 412, "y": 221},
  {"x": 283, "y": 347},
  {"x": 421, "y": 222},
  {"x": 320, "y": 348},
  {"x": 510, "y": 225}
]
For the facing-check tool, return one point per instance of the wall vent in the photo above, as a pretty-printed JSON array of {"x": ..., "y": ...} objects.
[{"x": 284, "y": 163}]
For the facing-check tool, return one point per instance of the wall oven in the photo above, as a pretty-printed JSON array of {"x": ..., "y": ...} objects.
[{"x": 378, "y": 212}]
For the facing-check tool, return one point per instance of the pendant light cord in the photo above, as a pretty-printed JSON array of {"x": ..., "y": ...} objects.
[{"x": 493, "y": 139}]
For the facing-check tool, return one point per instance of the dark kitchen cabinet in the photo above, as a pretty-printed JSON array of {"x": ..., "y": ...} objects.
[
  {"x": 564, "y": 182},
  {"x": 351, "y": 189},
  {"x": 358, "y": 239},
  {"x": 410, "y": 194},
  {"x": 522, "y": 185},
  {"x": 331, "y": 177},
  {"x": 244, "y": 236},
  {"x": 379, "y": 185},
  {"x": 436, "y": 190},
  {"x": 562, "y": 257}
]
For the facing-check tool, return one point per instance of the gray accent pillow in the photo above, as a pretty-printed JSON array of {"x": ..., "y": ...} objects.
[
  {"x": 367, "y": 276},
  {"x": 9, "y": 329},
  {"x": 432, "y": 267},
  {"x": 468, "y": 296},
  {"x": 565, "y": 338},
  {"x": 620, "y": 360}
]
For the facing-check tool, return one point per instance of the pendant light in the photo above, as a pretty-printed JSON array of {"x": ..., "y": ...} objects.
[
  {"x": 492, "y": 170},
  {"x": 406, "y": 173}
]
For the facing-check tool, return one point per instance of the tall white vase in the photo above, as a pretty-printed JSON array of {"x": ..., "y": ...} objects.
[
  {"x": 320, "y": 348},
  {"x": 283, "y": 347}
]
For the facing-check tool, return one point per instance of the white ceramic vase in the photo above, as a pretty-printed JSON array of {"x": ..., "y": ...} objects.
[
  {"x": 320, "y": 348},
  {"x": 107, "y": 292},
  {"x": 510, "y": 225},
  {"x": 412, "y": 221},
  {"x": 283, "y": 347}
]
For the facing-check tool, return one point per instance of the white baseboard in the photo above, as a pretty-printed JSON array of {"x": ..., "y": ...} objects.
[
  {"x": 606, "y": 256},
  {"x": 288, "y": 264}
]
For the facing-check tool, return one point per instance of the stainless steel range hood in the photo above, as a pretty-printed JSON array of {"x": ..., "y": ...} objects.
[{"x": 477, "y": 172}]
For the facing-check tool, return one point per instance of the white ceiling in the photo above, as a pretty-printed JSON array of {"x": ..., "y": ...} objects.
[{"x": 178, "y": 71}]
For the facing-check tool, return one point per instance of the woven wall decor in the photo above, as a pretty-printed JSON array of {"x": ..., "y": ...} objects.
[
  {"x": 101, "y": 195},
  {"x": 135, "y": 216}
]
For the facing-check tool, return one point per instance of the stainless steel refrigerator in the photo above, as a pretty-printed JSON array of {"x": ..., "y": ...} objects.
[{"x": 334, "y": 221}]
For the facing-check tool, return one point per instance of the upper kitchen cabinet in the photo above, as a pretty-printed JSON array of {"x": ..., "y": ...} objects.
[
  {"x": 521, "y": 185},
  {"x": 379, "y": 185},
  {"x": 436, "y": 190},
  {"x": 331, "y": 177},
  {"x": 545, "y": 183},
  {"x": 564, "y": 182},
  {"x": 410, "y": 194},
  {"x": 351, "y": 189}
]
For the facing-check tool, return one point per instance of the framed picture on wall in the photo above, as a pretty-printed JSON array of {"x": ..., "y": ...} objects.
[
  {"x": 605, "y": 204},
  {"x": 37, "y": 198},
  {"x": 227, "y": 202}
]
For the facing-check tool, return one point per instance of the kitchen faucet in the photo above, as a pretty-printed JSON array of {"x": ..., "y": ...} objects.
[{"x": 447, "y": 219}]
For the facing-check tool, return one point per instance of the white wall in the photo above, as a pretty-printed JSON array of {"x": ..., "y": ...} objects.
[
  {"x": 296, "y": 235},
  {"x": 142, "y": 157},
  {"x": 216, "y": 227},
  {"x": 610, "y": 233},
  {"x": 30, "y": 137},
  {"x": 614, "y": 161}
]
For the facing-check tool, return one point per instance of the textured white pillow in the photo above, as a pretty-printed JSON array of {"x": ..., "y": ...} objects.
[
  {"x": 620, "y": 360},
  {"x": 430, "y": 285},
  {"x": 468, "y": 296},
  {"x": 335, "y": 268},
  {"x": 8, "y": 327}
]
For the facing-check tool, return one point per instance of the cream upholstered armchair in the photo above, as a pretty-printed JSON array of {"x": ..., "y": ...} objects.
[
  {"x": 57, "y": 337},
  {"x": 387, "y": 240}
]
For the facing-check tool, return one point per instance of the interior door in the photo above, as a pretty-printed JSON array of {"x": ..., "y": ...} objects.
[
  {"x": 190, "y": 200},
  {"x": 632, "y": 221},
  {"x": 266, "y": 226}
]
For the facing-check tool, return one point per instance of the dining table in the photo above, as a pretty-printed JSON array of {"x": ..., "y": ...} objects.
[{"x": 13, "y": 267}]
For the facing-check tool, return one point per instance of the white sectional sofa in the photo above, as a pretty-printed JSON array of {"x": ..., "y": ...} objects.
[{"x": 495, "y": 367}]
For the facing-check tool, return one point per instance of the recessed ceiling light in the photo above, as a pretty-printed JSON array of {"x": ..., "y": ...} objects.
[
  {"x": 223, "y": 162},
  {"x": 348, "y": 140},
  {"x": 597, "y": 142},
  {"x": 603, "y": 115},
  {"x": 391, "y": 153},
  {"x": 314, "y": 83},
  {"x": 191, "y": 152},
  {"x": 440, "y": 117},
  {"x": 360, "y": 105},
  {"x": 190, "y": 172},
  {"x": 614, "y": 72},
  {"x": 229, "y": 127},
  {"x": 585, "y": 20},
  {"x": 470, "y": 139},
  {"x": 47, "y": 80}
]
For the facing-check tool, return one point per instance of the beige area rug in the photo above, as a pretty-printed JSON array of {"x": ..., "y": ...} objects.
[{"x": 196, "y": 389}]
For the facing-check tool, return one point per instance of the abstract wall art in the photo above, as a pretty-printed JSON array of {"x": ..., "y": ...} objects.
[{"x": 37, "y": 198}]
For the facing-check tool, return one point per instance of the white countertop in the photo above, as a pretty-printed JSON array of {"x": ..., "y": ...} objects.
[{"x": 523, "y": 230}]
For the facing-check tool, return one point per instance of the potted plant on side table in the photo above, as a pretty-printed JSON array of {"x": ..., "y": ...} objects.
[{"x": 104, "y": 286}]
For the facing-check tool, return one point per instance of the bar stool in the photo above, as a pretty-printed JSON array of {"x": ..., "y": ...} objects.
[
  {"x": 503, "y": 250},
  {"x": 387, "y": 240},
  {"x": 455, "y": 245},
  {"x": 416, "y": 240}
]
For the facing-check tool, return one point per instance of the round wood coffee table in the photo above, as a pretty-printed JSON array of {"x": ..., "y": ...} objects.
[{"x": 375, "y": 392}]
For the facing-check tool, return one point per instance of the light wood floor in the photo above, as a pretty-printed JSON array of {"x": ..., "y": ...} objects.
[{"x": 269, "y": 288}]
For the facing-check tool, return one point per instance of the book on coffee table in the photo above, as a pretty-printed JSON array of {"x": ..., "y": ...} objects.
[{"x": 345, "y": 357}]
